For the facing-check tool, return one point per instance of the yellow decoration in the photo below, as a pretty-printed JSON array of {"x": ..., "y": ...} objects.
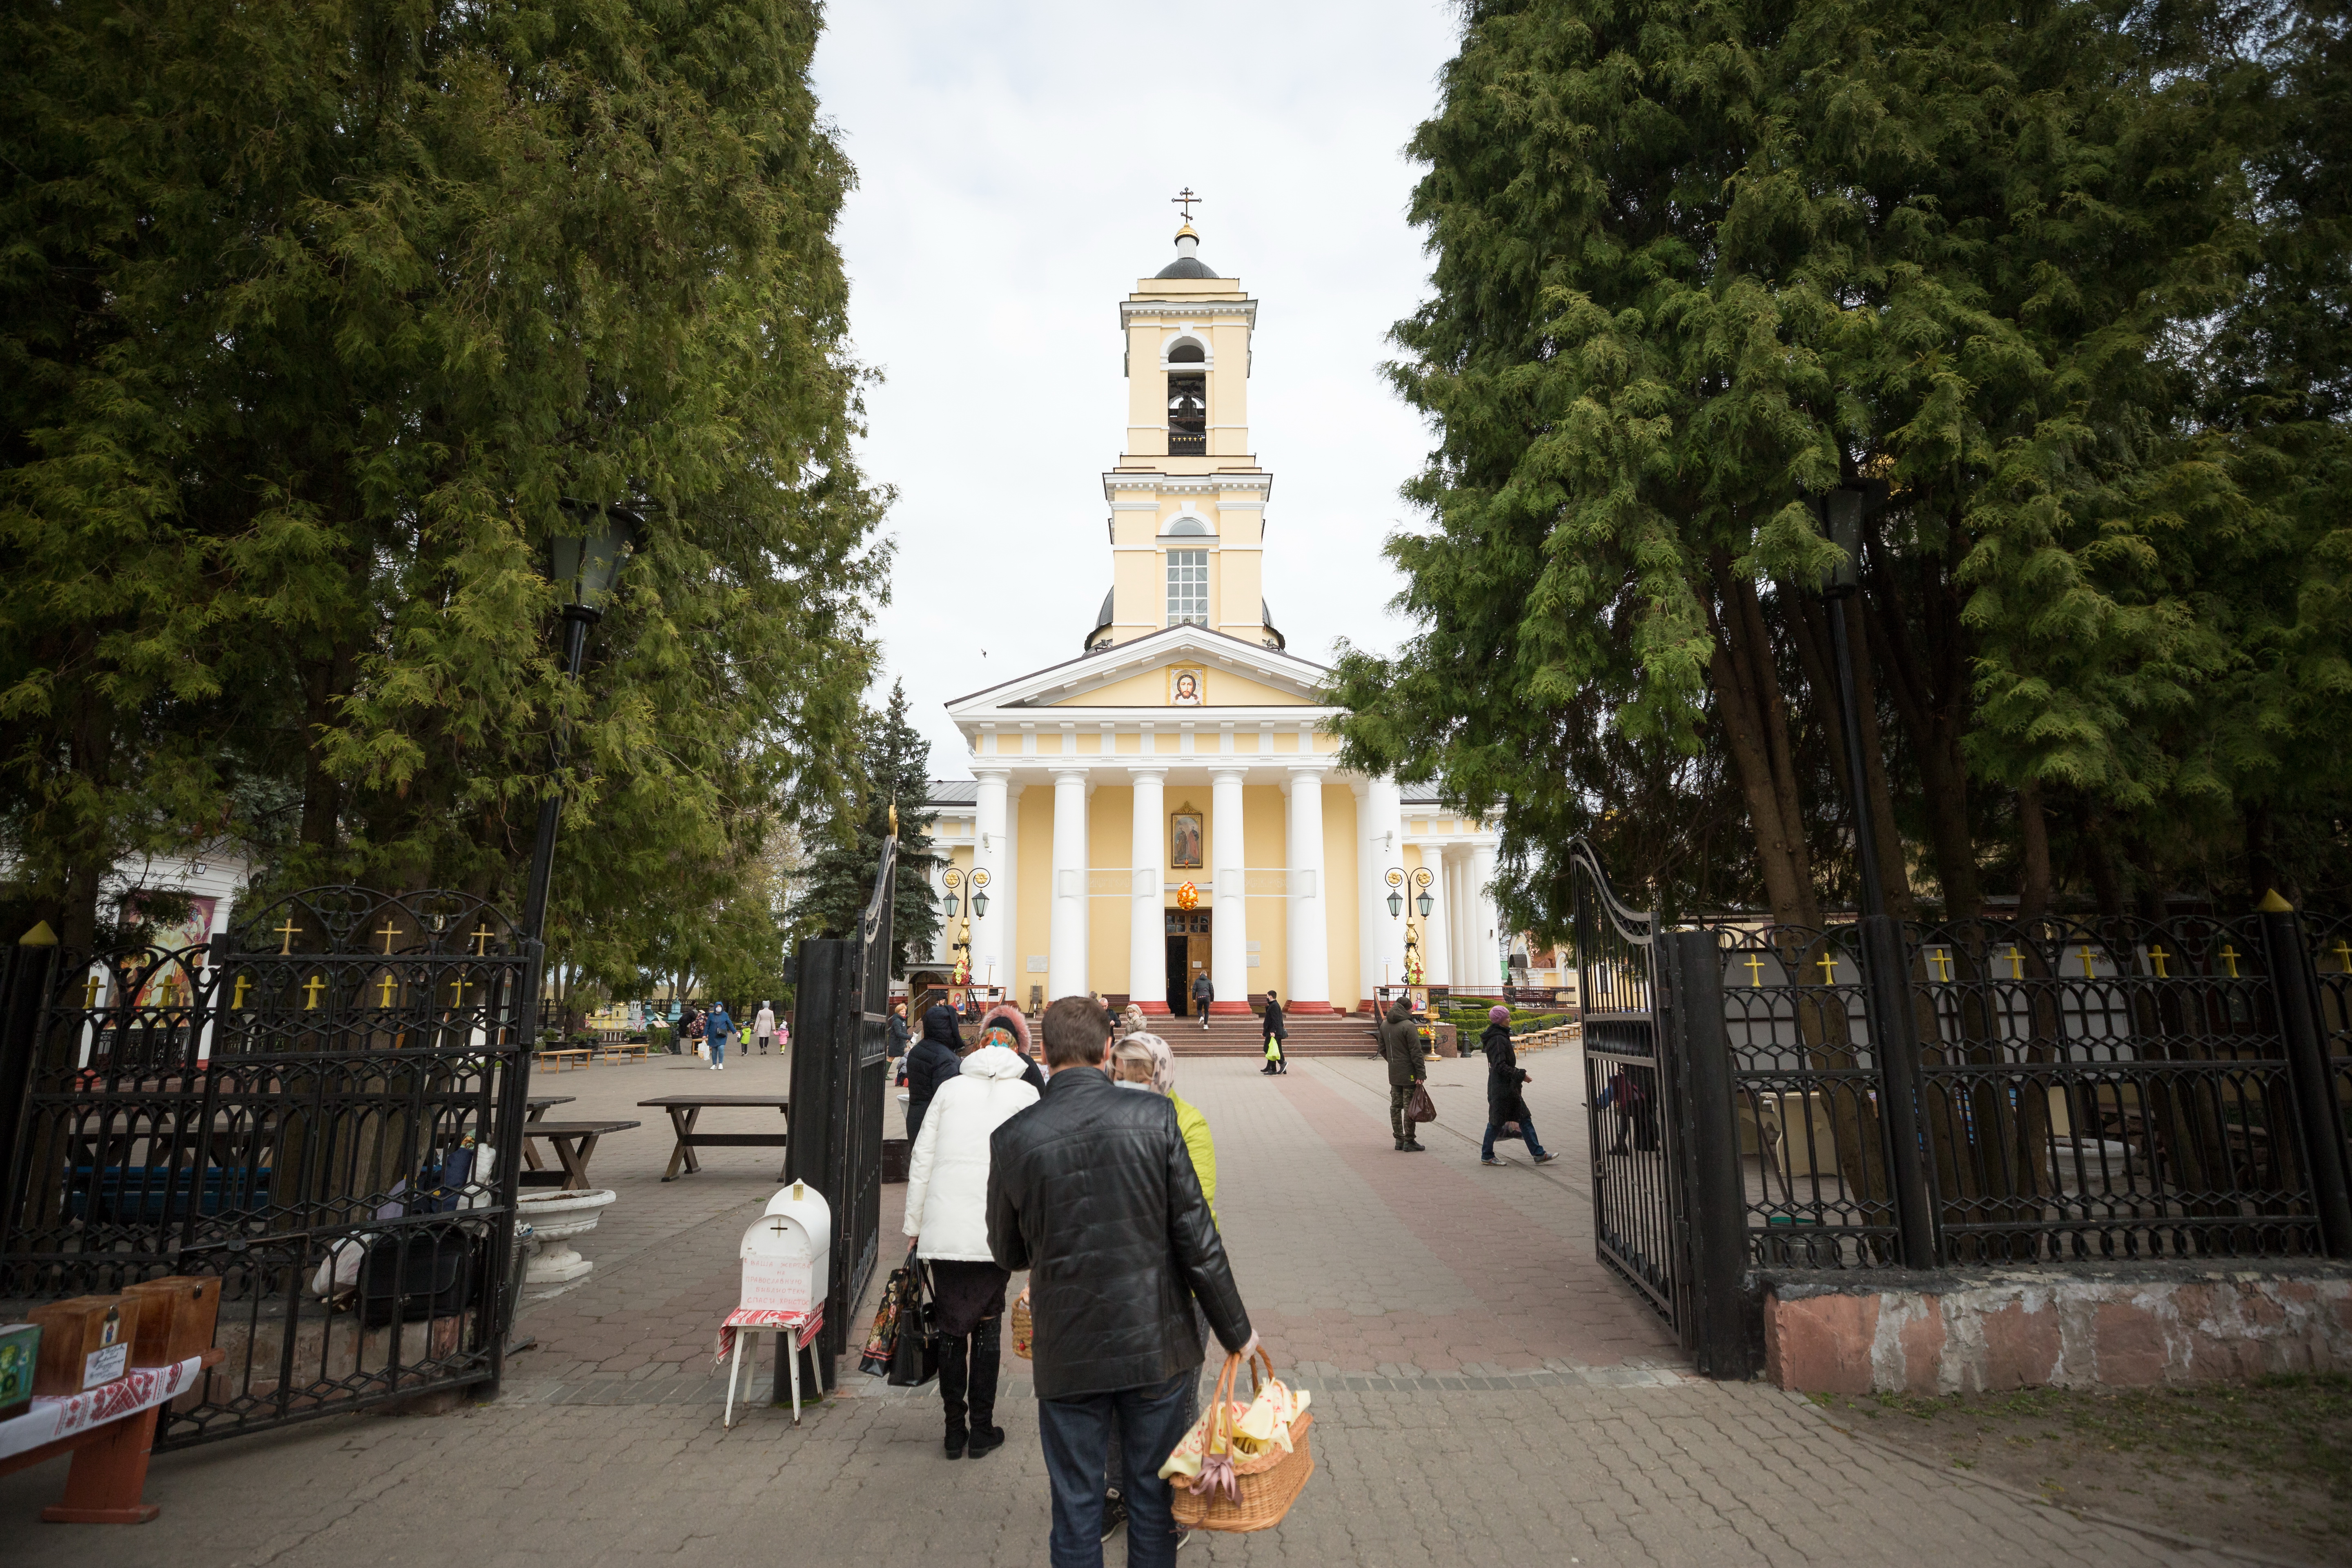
[
  {"x": 2156, "y": 956},
  {"x": 238, "y": 1000},
  {"x": 285, "y": 931},
  {"x": 2230, "y": 955},
  {"x": 1828, "y": 968},
  {"x": 388, "y": 932},
  {"x": 2088, "y": 972},
  {"x": 1188, "y": 897},
  {"x": 2016, "y": 962},
  {"x": 2342, "y": 952},
  {"x": 1942, "y": 959},
  {"x": 482, "y": 939},
  {"x": 316, "y": 984},
  {"x": 458, "y": 986},
  {"x": 384, "y": 998},
  {"x": 2272, "y": 904},
  {"x": 1755, "y": 968}
]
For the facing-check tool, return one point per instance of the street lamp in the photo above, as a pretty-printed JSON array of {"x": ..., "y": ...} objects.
[
  {"x": 583, "y": 562},
  {"x": 977, "y": 880}
]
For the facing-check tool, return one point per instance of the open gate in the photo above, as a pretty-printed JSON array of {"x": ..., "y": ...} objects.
[
  {"x": 1637, "y": 1188},
  {"x": 322, "y": 1107},
  {"x": 841, "y": 1051}
]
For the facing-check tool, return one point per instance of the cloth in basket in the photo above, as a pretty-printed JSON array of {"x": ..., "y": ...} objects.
[{"x": 1246, "y": 1463}]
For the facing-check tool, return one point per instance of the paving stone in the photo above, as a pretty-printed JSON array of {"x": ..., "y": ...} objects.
[{"x": 1485, "y": 1391}]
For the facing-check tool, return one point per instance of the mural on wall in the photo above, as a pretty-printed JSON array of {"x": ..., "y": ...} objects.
[
  {"x": 168, "y": 988},
  {"x": 1188, "y": 686},
  {"x": 1185, "y": 839}
]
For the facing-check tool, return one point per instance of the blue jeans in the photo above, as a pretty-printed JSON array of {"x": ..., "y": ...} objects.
[
  {"x": 1076, "y": 1437},
  {"x": 1527, "y": 1128},
  {"x": 718, "y": 1049}
]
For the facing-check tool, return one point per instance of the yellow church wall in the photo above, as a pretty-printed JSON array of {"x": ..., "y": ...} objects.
[
  {"x": 1110, "y": 827},
  {"x": 1035, "y": 888},
  {"x": 1264, "y": 846},
  {"x": 1341, "y": 888}
]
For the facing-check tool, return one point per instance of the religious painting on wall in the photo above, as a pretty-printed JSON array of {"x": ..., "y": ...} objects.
[
  {"x": 1184, "y": 840},
  {"x": 1188, "y": 686},
  {"x": 169, "y": 985}
]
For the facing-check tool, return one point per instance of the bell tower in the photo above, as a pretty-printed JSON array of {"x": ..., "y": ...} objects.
[{"x": 1187, "y": 498}]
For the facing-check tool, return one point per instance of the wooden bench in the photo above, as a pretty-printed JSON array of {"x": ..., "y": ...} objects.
[
  {"x": 575, "y": 1145},
  {"x": 109, "y": 1430},
  {"x": 573, "y": 1055},
  {"x": 624, "y": 1050}
]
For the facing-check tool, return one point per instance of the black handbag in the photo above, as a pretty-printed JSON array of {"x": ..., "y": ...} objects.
[{"x": 914, "y": 1347}]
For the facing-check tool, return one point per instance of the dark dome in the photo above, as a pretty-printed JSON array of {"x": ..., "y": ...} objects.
[{"x": 1185, "y": 267}]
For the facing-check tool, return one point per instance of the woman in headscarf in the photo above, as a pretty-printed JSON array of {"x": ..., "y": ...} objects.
[
  {"x": 934, "y": 1059},
  {"x": 1130, "y": 1021},
  {"x": 947, "y": 1213},
  {"x": 1002, "y": 1025}
]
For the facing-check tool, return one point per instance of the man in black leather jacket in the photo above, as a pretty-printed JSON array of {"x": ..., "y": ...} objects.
[{"x": 1092, "y": 1190}]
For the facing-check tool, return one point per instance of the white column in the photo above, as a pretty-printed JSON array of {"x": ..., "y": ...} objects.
[
  {"x": 1229, "y": 926},
  {"x": 1310, "y": 936},
  {"x": 1146, "y": 937},
  {"x": 1384, "y": 834},
  {"x": 1368, "y": 873},
  {"x": 1436, "y": 932},
  {"x": 1010, "y": 973},
  {"x": 1486, "y": 920},
  {"x": 991, "y": 944},
  {"x": 1066, "y": 962}
]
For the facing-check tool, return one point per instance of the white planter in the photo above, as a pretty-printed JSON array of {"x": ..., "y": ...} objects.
[{"x": 555, "y": 1218}]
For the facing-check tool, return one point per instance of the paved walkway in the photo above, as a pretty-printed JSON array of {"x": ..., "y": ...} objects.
[{"x": 1486, "y": 1393}]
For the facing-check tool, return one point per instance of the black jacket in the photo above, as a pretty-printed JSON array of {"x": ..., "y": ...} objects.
[
  {"x": 1202, "y": 990},
  {"x": 1504, "y": 1076},
  {"x": 1092, "y": 1190},
  {"x": 1274, "y": 1024},
  {"x": 931, "y": 1062}
]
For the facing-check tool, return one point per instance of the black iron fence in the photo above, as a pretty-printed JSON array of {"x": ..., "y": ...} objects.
[
  {"x": 322, "y": 1109},
  {"x": 1887, "y": 1095}
]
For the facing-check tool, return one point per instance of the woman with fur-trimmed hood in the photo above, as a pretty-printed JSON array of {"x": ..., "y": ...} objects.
[{"x": 1010, "y": 1029}]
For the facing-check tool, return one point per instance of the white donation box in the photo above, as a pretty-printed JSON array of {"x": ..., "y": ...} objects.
[{"x": 787, "y": 1254}]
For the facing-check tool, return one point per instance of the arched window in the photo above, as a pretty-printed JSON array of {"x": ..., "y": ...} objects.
[
  {"x": 1186, "y": 525},
  {"x": 1188, "y": 404},
  {"x": 1188, "y": 587}
]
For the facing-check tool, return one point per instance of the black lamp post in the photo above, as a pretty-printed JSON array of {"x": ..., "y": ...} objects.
[{"x": 584, "y": 565}]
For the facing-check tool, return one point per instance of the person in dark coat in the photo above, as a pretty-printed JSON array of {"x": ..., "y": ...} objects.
[
  {"x": 1202, "y": 994},
  {"x": 1092, "y": 1191},
  {"x": 1504, "y": 1079},
  {"x": 1276, "y": 1031},
  {"x": 934, "y": 1059},
  {"x": 1400, "y": 1037}
]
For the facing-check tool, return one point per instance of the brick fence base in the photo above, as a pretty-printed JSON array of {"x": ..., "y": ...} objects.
[{"x": 2129, "y": 1326}]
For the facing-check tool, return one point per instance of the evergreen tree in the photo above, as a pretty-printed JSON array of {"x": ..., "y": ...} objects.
[
  {"x": 893, "y": 772},
  {"x": 312, "y": 316}
]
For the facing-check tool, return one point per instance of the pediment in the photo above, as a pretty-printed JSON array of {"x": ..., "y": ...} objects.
[{"x": 1150, "y": 671}]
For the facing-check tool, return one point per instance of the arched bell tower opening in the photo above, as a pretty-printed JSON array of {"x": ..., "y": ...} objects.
[{"x": 1188, "y": 401}]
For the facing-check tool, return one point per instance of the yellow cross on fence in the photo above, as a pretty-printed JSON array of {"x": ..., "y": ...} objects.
[
  {"x": 388, "y": 932},
  {"x": 2342, "y": 952},
  {"x": 2016, "y": 962},
  {"x": 482, "y": 939},
  {"x": 2156, "y": 956},
  {"x": 1828, "y": 961},
  {"x": 385, "y": 997},
  {"x": 460, "y": 985},
  {"x": 237, "y": 1001},
  {"x": 312, "y": 986},
  {"x": 1942, "y": 959},
  {"x": 285, "y": 931},
  {"x": 2230, "y": 955},
  {"x": 1755, "y": 968},
  {"x": 90, "y": 991},
  {"x": 2088, "y": 972}
]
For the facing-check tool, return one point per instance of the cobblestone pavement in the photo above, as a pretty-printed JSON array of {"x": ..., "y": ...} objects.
[{"x": 1485, "y": 1391}]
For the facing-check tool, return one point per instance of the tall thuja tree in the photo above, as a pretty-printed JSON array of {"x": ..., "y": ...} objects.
[
  {"x": 1694, "y": 267},
  {"x": 325, "y": 310},
  {"x": 893, "y": 775}
]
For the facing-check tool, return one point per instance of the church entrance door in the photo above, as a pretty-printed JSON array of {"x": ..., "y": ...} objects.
[{"x": 1188, "y": 955}]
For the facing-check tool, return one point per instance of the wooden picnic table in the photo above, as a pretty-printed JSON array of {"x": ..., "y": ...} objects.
[
  {"x": 685, "y": 1110},
  {"x": 534, "y": 1107},
  {"x": 575, "y": 1145}
]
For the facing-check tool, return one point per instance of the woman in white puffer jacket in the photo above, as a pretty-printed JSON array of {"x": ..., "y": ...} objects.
[{"x": 947, "y": 1213}]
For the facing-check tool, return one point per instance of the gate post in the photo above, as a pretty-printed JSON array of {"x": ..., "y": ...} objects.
[
  {"x": 1717, "y": 1188},
  {"x": 1895, "y": 1039},
  {"x": 824, "y": 1044},
  {"x": 28, "y": 972},
  {"x": 2296, "y": 985}
]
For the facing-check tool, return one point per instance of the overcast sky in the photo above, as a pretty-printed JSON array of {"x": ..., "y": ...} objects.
[{"x": 1014, "y": 164}]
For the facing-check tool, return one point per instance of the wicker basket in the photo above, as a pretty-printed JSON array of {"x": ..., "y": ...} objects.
[
  {"x": 1266, "y": 1495},
  {"x": 1024, "y": 1329}
]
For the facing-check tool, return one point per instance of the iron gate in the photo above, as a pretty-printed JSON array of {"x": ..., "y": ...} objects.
[
  {"x": 841, "y": 1034},
  {"x": 1637, "y": 1207},
  {"x": 322, "y": 1109}
]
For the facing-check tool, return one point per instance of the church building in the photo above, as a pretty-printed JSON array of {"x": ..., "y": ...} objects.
[{"x": 1166, "y": 802}]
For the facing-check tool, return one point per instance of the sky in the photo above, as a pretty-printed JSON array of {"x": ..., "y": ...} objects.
[{"x": 1015, "y": 162}]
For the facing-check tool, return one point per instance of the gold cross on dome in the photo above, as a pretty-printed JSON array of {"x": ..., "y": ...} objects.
[{"x": 1185, "y": 198}]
